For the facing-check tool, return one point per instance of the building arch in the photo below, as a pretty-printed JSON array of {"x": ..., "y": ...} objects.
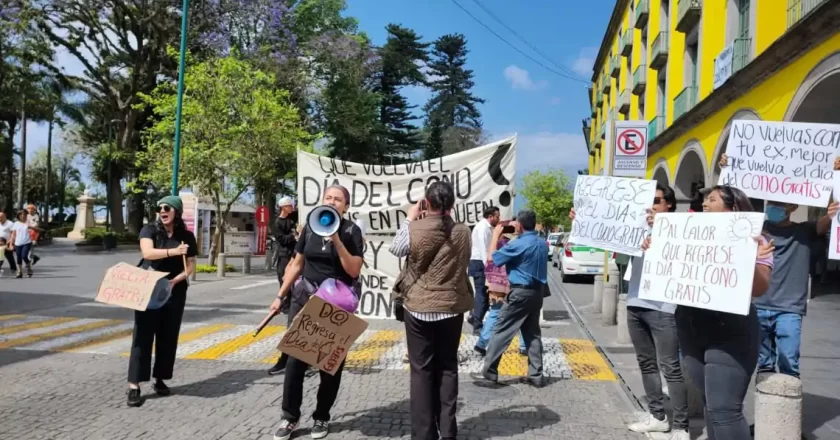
[
  {"x": 720, "y": 148},
  {"x": 690, "y": 175},
  {"x": 660, "y": 172}
]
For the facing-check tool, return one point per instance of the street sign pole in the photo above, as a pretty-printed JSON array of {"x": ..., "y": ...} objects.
[
  {"x": 608, "y": 167},
  {"x": 176, "y": 156}
]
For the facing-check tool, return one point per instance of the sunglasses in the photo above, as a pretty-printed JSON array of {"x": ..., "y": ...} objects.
[
  {"x": 164, "y": 208},
  {"x": 657, "y": 200}
]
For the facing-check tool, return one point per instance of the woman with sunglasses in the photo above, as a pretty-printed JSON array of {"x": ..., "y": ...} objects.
[
  {"x": 163, "y": 245},
  {"x": 317, "y": 259},
  {"x": 720, "y": 350}
]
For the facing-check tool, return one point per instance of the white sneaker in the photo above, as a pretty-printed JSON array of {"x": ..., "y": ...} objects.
[
  {"x": 650, "y": 424},
  {"x": 679, "y": 434}
]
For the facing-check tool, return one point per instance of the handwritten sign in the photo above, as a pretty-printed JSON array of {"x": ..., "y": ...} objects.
[
  {"x": 321, "y": 335},
  {"x": 611, "y": 213},
  {"x": 790, "y": 162},
  {"x": 834, "y": 242},
  {"x": 129, "y": 286},
  {"x": 381, "y": 194},
  {"x": 703, "y": 260}
]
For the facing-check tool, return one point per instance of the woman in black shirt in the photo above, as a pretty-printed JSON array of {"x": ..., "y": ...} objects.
[
  {"x": 317, "y": 258},
  {"x": 163, "y": 246}
]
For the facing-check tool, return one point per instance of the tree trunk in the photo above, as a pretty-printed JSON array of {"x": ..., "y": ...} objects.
[
  {"x": 115, "y": 203},
  {"x": 49, "y": 175},
  {"x": 22, "y": 171},
  {"x": 62, "y": 193}
]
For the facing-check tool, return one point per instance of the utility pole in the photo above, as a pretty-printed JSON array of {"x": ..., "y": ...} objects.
[
  {"x": 176, "y": 156},
  {"x": 22, "y": 170}
]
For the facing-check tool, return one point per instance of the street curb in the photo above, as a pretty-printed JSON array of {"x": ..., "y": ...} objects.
[{"x": 633, "y": 400}]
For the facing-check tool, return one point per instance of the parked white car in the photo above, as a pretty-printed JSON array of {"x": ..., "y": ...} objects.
[
  {"x": 580, "y": 261},
  {"x": 555, "y": 241}
]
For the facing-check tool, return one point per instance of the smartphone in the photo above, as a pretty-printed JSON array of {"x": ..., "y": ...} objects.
[
  {"x": 423, "y": 206},
  {"x": 507, "y": 228}
]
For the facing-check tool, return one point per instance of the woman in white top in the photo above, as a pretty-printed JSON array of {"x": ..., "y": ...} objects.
[{"x": 23, "y": 244}]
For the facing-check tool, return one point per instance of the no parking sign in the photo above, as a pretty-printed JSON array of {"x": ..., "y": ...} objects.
[{"x": 630, "y": 149}]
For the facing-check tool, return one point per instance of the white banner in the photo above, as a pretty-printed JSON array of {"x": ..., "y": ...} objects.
[
  {"x": 378, "y": 275},
  {"x": 834, "y": 242},
  {"x": 611, "y": 213},
  {"x": 381, "y": 194},
  {"x": 703, "y": 260},
  {"x": 723, "y": 66},
  {"x": 790, "y": 162},
  {"x": 239, "y": 243}
]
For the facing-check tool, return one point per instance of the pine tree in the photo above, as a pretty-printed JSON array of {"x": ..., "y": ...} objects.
[
  {"x": 400, "y": 139},
  {"x": 453, "y": 108}
]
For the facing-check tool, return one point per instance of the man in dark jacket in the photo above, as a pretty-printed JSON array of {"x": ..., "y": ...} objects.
[{"x": 285, "y": 231}]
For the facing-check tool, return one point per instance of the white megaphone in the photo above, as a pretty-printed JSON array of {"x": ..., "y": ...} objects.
[{"x": 324, "y": 220}]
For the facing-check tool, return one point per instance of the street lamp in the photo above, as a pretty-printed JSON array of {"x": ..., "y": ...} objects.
[
  {"x": 111, "y": 140},
  {"x": 176, "y": 157}
]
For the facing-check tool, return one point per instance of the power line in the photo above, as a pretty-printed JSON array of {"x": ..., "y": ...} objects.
[
  {"x": 538, "y": 62},
  {"x": 522, "y": 39}
]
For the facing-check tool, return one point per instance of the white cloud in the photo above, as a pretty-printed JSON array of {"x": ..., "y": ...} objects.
[
  {"x": 520, "y": 79},
  {"x": 584, "y": 62}
]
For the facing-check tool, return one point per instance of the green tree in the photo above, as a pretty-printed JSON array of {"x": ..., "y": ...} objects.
[
  {"x": 453, "y": 103},
  {"x": 401, "y": 57},
  {"x": 549, "y": 195},
  {"x": 236, "y": 126}
]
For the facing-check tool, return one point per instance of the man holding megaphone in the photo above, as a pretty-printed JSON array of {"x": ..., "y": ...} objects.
[{"x": 330, "y": 246}]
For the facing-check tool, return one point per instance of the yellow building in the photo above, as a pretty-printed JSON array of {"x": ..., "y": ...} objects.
[{"x": 665, "y": 62}]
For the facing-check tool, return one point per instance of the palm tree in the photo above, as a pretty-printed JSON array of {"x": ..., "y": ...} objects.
[{"x": 56, "y": 91}]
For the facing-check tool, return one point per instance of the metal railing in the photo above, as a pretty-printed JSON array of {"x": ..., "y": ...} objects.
[
  {"x": 606, "y": 82},
  {"x": 599, "y": 98},
  {"x": 659, "y": 50},
  {"x": 615, "y": 65},
  {"x": 639, "y": 78},
  {"x": 626, "y": 42},
  {"x": 688, "y": 14},
  {"x": 642, "y": 13},
  {"x": 798, "y": 9},
  {"x": 656, "y": 126},
  {"x": 741, "y": 53},
  {"x": 624, "y": 100},
  {"x": 685, "y": 101}
]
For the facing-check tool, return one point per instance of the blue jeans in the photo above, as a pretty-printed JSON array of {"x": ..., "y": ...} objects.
[
  {"x": 780, "y": 340},
  {"x": 489, "y": 324},
  {"x": 476, "y": 271}
]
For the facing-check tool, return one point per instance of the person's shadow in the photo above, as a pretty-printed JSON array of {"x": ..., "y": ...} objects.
[{"x": 225, "y": 384}]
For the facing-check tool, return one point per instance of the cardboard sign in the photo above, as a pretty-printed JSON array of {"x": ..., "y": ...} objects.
[
  {"x": 321, "y": 335},
  {"x": 128, "y": 286},
  {"x": 703, "y": 260}
]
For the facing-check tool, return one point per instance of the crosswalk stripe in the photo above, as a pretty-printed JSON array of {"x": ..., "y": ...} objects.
[
  {"x": 85, "y": 345},
  {"x": 8, "y": 317},
  {"x": 235, "y": 344},
  {"x": 212, "y": 339},
  {"x": 57, "y": 333},
  {"x": 512, "y": 363},
  {"x": 259, "y": 350},
  {"x": 193, "y": 335},
  {"x": 584, "y": 360},
  {"x": 367, "y": 353},
  {"x": 74, "y": 340},
  {"x": 41, "y": 323}
]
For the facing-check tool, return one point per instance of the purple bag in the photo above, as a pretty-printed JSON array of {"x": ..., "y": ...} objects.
[{"x": 338, "y": 294}]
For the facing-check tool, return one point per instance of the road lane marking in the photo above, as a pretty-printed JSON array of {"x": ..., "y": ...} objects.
[
  {"x": 69, "y": 342},
  {"x": 585, "y": 361},
  {"x": 57, "y": 333},
  {"x": 42, "y": 323},
  {"x": 513, "y": 363},
  {"x": 257, "y": 284},
  {"x": 259, "y": 350},
  {"x": 8, "y": 317},
  {"x": 369, "y": 352},
  {"x": 238, "y": 343},
  {"x": 193, "y": 335}
]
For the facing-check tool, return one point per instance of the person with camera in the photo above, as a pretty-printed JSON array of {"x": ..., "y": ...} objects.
[
  {"x": 340, "y": 257},
  {"x": 435, "y": 293}
]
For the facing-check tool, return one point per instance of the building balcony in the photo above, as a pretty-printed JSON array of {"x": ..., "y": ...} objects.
[
  {"x": 640, "y": 79},
  {"x": 599, "y": 98},
  {"x": 603, "y": 131},
  {"x": 799, "y": 9},
  {"x": 615, "y": 66},
  {"x": 659, "y": 51},
  {"x": 625, "y": 44},
  {"x": 624, "y": 102},
  {"x": 688, "y": 15},
  {"x": 642, "y": 13},
  {"x": 685, "y": 101},
  {"x": 741, "y": 53},
  {"x": 656, "y": 126},
  {"x": 606, "y": 83},
  {"x": 598, "y": 142}
]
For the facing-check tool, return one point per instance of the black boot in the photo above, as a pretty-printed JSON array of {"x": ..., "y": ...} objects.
[
  {"x": 280, "y": 366},
  {"x": 134, "y": 398},
  {"x": 161, "y": 389}
]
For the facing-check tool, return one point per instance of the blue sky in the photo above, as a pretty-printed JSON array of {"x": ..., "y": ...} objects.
[{"x": 544, "y": 109}]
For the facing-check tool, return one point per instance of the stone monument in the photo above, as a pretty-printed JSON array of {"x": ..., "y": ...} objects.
[{"x": 84, "y": 216}]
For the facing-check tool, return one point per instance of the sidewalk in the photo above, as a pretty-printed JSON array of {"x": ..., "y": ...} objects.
[{"x": 819, "y": 362}]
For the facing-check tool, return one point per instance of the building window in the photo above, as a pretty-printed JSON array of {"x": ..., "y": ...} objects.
[{"x": 665, "y": 15}]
